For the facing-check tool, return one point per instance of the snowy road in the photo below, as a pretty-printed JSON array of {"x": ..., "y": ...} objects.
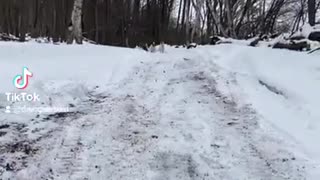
[{"x": 168, "y": 119}]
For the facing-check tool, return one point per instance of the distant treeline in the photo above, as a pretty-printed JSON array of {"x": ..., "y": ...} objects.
[
  {"x": 114, "y": 22},
  {"x": 133, "y": 22}
]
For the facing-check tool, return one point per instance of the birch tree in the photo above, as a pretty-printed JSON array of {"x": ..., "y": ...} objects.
[{"x": 75, "y": 28}]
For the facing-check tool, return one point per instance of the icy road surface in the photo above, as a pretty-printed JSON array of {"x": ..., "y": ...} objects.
[{"x": 171, "y": 117}]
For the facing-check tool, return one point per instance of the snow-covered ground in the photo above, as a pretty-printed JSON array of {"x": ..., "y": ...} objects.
[{"x": 215, "y": 112}]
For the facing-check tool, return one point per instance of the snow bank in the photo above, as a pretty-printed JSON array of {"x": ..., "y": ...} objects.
[
  {"x": 283, "y": 86},
  {"x": 79, "y": 63},
  {"x": 63, "y": 74},
  {"x": 306, "y": 30}
]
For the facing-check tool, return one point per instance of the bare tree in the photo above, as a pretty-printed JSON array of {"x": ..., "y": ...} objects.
[
  {"x": 136, "y": 22},
  {"x": 75, "y": 28},
  {"x": 196, "y": 30},
  {"x": 312, "y": 12}
]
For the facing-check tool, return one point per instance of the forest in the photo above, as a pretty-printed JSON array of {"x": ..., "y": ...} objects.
[
  {"x": 133, "y": 22},
  {"x": 159, "y": 89}
]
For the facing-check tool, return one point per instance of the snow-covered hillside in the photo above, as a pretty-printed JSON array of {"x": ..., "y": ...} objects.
[{"x": 224, "y": 112}]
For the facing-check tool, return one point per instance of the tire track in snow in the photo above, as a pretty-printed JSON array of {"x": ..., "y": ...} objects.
[
  {"x": 267, "y": 145},
  {"x": 109, "y": 140},
  {"x": 168, "y": 120},
  {"x": 234, "y": 136}
]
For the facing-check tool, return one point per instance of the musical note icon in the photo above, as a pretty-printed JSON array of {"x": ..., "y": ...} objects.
[{"x": 22, "y": 81}]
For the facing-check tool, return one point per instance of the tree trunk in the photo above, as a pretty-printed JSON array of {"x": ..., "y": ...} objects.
[
  {"x": 230, "y": 18},
  {"x": 216, "y": 19},
  {"x": 76, "y": 21},
  {"x": 312, "y": 12},
  {"x": 196, "y": 34}
]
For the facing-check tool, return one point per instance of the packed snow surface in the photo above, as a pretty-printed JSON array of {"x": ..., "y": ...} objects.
[{"x": 224, "y": 112}]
